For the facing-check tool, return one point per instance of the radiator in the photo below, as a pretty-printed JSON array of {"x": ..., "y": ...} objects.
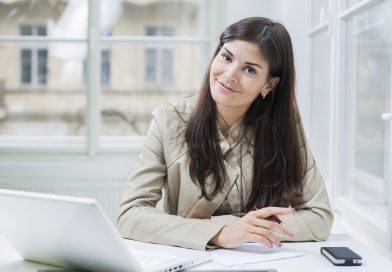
[{"x": 108, "y": 196}]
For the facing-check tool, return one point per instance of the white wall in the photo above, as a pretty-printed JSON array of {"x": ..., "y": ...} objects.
[{"x": 295, "y": 16}]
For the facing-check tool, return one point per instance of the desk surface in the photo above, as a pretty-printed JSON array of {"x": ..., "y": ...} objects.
[{"x": 311, "y": 261}]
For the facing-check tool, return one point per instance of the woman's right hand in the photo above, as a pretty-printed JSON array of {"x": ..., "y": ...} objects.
[{"x": 254, "y": 227}]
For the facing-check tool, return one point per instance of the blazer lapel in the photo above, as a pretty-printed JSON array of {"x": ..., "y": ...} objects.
[{"x": 204, "y": 208}]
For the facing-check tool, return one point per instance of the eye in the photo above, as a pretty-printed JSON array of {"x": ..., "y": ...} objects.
[
  {"x": 226, "y": 56},
  {"x": 250, "y": 70}
]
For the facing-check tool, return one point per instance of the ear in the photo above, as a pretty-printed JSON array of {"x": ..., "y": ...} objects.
[
  {"x": 273, "y": 82},
  {"x": 271, "y": 85}
]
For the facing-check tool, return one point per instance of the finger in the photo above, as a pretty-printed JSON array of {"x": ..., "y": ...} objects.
[
  {"x": 276, "y": 227},
  {"x": 268, "y": 211},
  {"x": 267, "y": 234},
  {"x": 255, "y": 238}
]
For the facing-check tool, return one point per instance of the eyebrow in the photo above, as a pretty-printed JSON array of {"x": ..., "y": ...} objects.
[{"x": 247, "y": 62}]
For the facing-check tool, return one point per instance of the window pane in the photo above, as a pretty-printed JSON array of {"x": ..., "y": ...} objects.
[
  {"x": 167, "y": 31},
  {"x": 159, "y": 57},
  {"x": 26, "y": 30},
  {"x": 106, "y": 60},
  {"x": 151, "y": 65},
  {"x": 42, "y": 87},
  {"x": 54, "y": 108},
  {"x": 26, "y": 60},
  {"x": 146, "y": 75},
  {"x": 126, "y": 17},
  {"x": 42, "y": 65},
  {"x": 41, "y": 31},
  {"x": 167, "y": 65},
  {"x": 151, "y": 31},
  {"x": 128, "y": 101},
  {"x": 320, "y": 106},
  {"x": 105, "y": 67},
  {"x": 369, "y": 84}
]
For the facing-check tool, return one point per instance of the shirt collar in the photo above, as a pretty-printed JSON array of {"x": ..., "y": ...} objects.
[{"x": 236, "y": 131}]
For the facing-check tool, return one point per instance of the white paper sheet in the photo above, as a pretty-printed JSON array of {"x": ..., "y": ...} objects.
[
  {"x": 251, "y": 253},
  {"x": 246, "y": 254},
  {"x": 165, "y": 250}
]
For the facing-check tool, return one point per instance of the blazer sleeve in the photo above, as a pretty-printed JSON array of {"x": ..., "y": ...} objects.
[
  {"x": 138, "y": 217},
  {"x": 313, "y": 216}
]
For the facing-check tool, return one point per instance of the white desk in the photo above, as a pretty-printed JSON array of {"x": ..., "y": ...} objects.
[{"x": 10, "y": 261}]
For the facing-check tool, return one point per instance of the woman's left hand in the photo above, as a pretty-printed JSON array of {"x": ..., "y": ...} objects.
[{"x": 254, "y": 227}]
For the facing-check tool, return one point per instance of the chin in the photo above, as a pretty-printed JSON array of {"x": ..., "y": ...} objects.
[{"x": 223, "y": 100}]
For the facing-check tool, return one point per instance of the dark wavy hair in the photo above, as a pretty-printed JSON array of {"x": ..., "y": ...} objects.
[{"x": 273, "y": 122}]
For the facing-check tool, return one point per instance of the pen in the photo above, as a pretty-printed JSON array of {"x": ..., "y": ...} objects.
[{"x": 273, "y": 218}]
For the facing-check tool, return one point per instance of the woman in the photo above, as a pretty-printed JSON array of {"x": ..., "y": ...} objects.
[{"x": 233, "y": 161}]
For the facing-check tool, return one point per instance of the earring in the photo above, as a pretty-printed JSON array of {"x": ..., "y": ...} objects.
[{"x": 263, "y": 96}]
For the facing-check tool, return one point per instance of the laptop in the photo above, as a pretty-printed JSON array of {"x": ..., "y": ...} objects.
[{"x": 75, "y": 233}]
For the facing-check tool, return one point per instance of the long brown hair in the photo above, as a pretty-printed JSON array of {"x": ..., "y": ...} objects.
[{"x": 273, "y": 122}]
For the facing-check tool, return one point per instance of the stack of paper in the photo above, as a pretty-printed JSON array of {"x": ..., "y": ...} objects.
[{"x": 251, "y": 253}]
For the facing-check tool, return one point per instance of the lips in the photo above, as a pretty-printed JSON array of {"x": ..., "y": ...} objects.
[{"x": 226, "y": 88}]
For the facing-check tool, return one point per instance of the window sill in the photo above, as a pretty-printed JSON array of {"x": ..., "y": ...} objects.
[{"x": 67, "y": 145}]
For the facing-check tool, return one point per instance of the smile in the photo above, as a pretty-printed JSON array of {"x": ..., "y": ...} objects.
[{"x": 226, "y": 88}]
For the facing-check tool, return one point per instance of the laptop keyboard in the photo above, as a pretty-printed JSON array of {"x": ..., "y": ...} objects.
[{"x": 150, "y": 259}]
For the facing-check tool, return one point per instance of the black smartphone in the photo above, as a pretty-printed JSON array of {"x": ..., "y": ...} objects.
[{"x": 341, "y": 256}]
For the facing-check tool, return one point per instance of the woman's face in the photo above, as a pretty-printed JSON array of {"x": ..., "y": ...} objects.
[{"x": 239, "y": 73}]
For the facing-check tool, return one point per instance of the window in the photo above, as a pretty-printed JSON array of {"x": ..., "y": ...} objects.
[
  {"x": 351, "y": 90},
  {"x": 150, "y": 53},
  {"x": 26, "y": 66},
  {"x": 368, "y": 85},
  {"x": 158, "y": 55},
  {"x": 42, "y": 44},
  {"x": 34, "y": 59},
  {"x": 351, "y": 81},
  {"x": 159, "y": 59},
  {"x": 88, "y": 131},
  {"x": 105, "y": 67}
]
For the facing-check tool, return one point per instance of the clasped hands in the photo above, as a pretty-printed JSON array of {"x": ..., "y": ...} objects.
[{"x": 254, "y": 227}]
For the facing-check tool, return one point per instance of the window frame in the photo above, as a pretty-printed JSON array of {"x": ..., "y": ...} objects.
[
  {"x": 34, "y": 50},
  {"x": 324, "y": 25},
  {"x": 368, "y": 224},
  {"x": 159, "y": 49}
]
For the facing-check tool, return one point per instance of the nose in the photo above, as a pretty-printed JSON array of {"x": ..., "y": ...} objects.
[{"x": 230, "y": 74}]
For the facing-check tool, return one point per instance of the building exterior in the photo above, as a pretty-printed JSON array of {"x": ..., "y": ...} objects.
[{"x": 145, "y": 61}]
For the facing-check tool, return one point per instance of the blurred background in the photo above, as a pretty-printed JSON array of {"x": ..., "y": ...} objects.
[{"x": 79, "y": 79}]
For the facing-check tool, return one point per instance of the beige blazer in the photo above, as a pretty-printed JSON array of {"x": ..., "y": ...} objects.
[{"x": 187, "y": 220}]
